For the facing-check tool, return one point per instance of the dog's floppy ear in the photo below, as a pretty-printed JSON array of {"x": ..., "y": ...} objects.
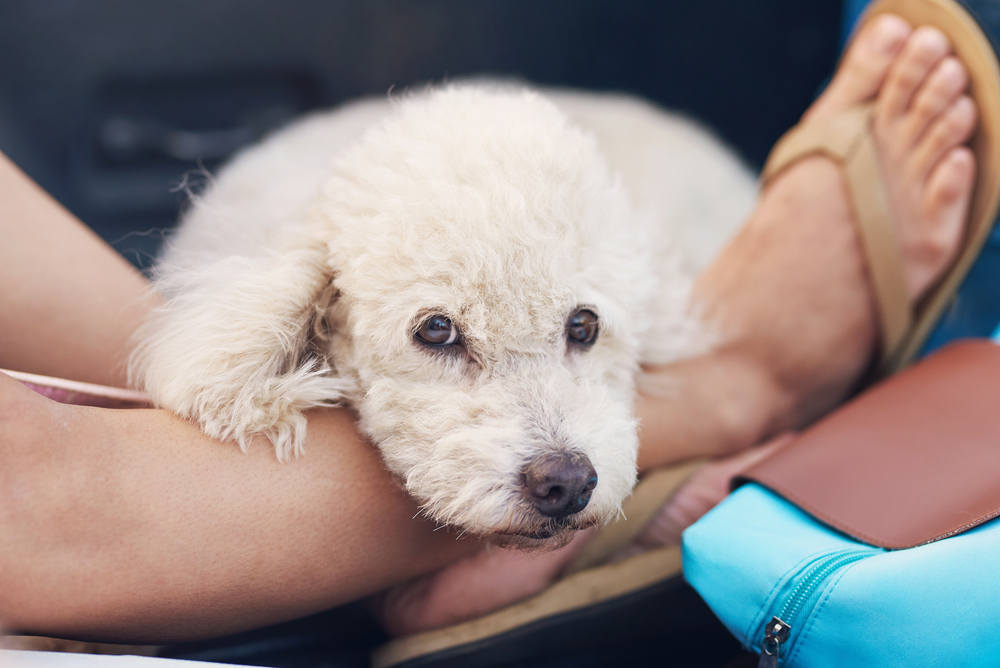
[{"x": 239, "y": 346}]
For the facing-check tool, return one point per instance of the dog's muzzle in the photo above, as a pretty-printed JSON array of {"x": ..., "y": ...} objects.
[{"x": 559, "y": 484}]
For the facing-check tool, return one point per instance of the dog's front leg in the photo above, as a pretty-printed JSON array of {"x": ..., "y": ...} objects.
[{"x": 237, "y": 346}]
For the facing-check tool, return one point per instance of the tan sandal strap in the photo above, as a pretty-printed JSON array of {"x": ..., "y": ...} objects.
[
  {"x": 846, "y": 138},
  {"x": 878, "y": 240},
  {"x": 834, "y": 137}
]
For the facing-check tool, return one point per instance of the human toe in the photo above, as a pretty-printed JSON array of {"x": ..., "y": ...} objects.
[
  {"x": 944, "y": 84},
  {"x": 945, "y": 206},
  {"x": 925, "y": 48},
  {"x": 865, "y": 64},
  {"x": 951, "y": 128},
  {"x": 949, "y": 188},
  {"x": 951, "y": 179}
]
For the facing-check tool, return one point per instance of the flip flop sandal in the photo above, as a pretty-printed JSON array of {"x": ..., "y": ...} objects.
[
  {"x": 846, "y": 138},
  {"x": 973, "y": 311},
  {"x": 591, "y": 602}
]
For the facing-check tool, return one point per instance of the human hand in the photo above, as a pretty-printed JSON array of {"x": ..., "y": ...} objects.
[{"x": 491, "y": 579}]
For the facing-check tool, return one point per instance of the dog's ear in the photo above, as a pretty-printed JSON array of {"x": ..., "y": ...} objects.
[{"x": 240, "y": 346}]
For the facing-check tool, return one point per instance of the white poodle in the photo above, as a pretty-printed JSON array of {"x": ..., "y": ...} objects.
[{"x": 479, "y": 270}]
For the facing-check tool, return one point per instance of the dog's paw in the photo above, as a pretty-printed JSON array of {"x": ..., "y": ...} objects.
[
  {"x": 242, "y": 403},
  {"x": 239, "y": 346},
  {"x": 271, "y": 409}
]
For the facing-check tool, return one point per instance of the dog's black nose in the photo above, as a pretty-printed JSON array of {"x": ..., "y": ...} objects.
[{"x": 559, "y": 485}]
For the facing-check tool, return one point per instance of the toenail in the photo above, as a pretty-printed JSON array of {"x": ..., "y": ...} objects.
[
  {"x": 959, "y": 164},
  {"x": 965, "y": 108},
  {"x": 961, "y": 158},
  {"x": 890, "y": 31},
  {"x": 930, "y": 39},
  {"x": 952, "y": 70},
  {"x": 957, "y": 177}
]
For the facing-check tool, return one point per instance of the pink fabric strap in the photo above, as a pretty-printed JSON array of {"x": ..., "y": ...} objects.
[{"x": 82, "y": 394}]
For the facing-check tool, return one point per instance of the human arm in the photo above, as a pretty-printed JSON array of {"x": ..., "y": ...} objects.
[
  {"x": 133, "y": 525},
  {"x": 69, "y": 302}
]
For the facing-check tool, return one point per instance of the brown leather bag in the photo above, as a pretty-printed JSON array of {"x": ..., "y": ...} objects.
[{"x": 911, "y": 461}]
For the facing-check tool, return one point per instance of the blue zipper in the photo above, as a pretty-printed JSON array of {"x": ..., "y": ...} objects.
[{"x": 776, "y": 634}]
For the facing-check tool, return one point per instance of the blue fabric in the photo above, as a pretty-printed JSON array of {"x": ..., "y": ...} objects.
[
  {"x": 975, "y": 309},
  {"x": 931, "y": 605},
  {"x": 852, "y": 12}
]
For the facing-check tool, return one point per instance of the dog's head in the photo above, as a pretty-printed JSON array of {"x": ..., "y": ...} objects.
[{"x": 492, "y": 290}]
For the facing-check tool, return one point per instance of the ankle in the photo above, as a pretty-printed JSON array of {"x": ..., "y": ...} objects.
[
  {"x": 795, "y": 336},
  {"x": 756, "y": 403},
  {"x": 793, "y": 377},
  {"x": 711, "y": 405}
]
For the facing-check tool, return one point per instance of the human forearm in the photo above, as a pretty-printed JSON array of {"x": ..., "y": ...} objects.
[
  {"x": 70, "y": 303},
  {"x": 131, "y": 525}
]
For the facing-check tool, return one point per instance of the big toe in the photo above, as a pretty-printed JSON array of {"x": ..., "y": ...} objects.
[{"x": 865, "y": 64}]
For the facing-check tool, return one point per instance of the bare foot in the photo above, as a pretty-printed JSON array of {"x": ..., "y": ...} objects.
[
  {"x": 820, "y": 327},
  {"x": 922, "y": 119}
]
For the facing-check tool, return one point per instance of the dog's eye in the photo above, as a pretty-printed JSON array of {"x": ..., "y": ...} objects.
[
  {"x": 582, "y": 327},
  {"x": 437, "y": 330}
]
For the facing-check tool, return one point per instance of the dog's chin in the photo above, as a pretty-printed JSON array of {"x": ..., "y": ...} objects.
[
  {"x": 529, "y": 542},
  {"x": 544, "y": 536}
]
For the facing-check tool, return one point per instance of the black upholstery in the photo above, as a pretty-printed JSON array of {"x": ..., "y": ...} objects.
[{"x": 108, "y": 103}]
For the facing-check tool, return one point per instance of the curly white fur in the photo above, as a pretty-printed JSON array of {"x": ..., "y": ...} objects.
[{"x": 301, "y": 275}]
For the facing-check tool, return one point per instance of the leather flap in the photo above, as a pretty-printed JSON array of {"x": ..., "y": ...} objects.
[{"x": 913, "y": 460}]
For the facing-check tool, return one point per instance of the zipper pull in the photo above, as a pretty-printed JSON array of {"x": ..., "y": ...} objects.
[{"x": 775, "y": 633}]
